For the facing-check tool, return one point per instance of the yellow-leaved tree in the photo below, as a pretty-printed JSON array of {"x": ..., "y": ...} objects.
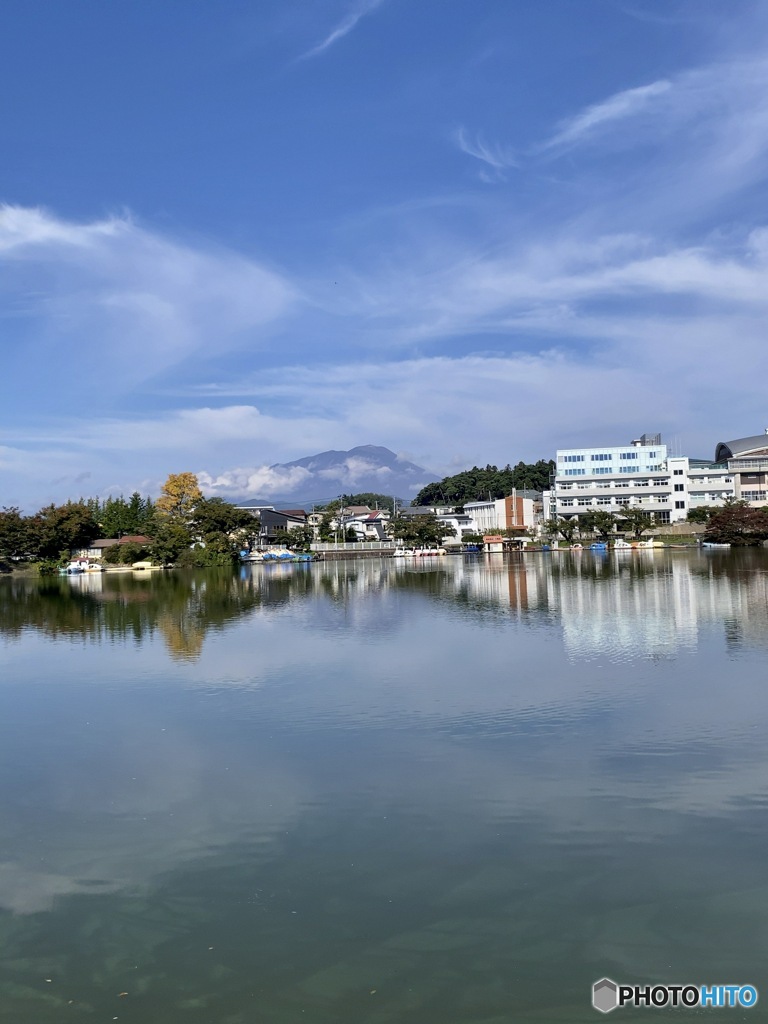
[{"x": 179, "y": 496}]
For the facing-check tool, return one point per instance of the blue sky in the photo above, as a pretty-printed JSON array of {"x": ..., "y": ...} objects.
[{"x": 238, "y": 233}]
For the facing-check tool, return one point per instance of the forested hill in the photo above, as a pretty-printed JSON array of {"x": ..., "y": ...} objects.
[{"x": 476, "y": 484}]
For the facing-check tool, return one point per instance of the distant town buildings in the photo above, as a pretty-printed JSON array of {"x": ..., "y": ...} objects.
[{"x": 611, "y": 478}]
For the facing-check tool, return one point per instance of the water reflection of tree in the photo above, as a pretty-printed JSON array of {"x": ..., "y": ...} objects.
[{"x": 183, "y": 608}]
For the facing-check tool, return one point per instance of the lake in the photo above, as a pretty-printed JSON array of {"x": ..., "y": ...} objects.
[{"x": 367, "y": 792}]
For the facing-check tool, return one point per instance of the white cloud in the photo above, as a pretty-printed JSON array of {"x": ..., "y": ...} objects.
[
  {"x": 627, "y": 103},
  {"x": 112, "y": 304},
  {"x": 255, "y": 481},
  {"x": 344, "y": 27},
  {"x": 498, "y": 158},
  {"x": 355, "y": 469}
]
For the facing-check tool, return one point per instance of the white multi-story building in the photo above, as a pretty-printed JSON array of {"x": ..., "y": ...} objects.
[
  {"x": 515, "y": 512},
  {"x": 747, "y": 460},
  {"x": 639, "y": 475}
]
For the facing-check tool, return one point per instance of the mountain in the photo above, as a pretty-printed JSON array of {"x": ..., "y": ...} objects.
[
  {"x": 320, "y": 478},
  {"x": 368, "y": 467}
]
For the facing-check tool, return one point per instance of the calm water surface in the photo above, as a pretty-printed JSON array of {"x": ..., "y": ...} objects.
[{"x": 365, "y": 793}]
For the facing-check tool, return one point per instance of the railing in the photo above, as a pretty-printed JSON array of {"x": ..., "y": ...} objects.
[
  {"x": 362, "y": 545},
  {"x": 736, "y": 465}
]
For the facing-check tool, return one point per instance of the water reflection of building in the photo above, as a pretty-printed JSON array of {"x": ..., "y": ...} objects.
[
  {"x": 652, "y": 603},
  {"x": 621, "y": 604}
]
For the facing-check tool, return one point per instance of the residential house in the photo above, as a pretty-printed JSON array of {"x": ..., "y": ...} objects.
[{"x": 95, "y": 550}]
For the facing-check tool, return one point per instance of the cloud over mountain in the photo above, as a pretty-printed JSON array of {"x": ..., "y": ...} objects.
[{"x": 323, "y": 476}]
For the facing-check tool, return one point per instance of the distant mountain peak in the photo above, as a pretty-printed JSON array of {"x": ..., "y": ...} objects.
[{"x": 315, "y": 479}]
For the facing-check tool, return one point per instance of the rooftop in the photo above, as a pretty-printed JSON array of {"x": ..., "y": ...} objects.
[{"x": 755, "y": 445}]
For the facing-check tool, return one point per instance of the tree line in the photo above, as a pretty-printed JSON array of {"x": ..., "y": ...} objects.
[
  {"x": 182, "y": 527},
  {"x": 734, "y": 522},
  {"x": 478, "y": 484}
]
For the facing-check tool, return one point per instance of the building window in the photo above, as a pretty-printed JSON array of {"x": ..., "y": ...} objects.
[
  {"x": 622, "y": 483},
  {"x": 629, "y": 455},
  {"x": 753, "y": 495},
  {"x": 602, "y": 469},
  {"x": 622, "y": 501},
  {"x": 658, "y": 483},
  {"x": 600, "y": 458},
  {"x": 642, "y": 483},
  {"x": 567, "y": 502},
  {"x": 652, "y": 455},
  {"x": 603, "y": 501},
  {"x": 584, "y": 501},
  {"x": 677, "y": 472},
  {"x": 679, "y": 504},
  {"x": 663, "y": 498},
  {"x": 679, "y": 487},
  {"x": 566, "y": 487},
  {"x": 583, "y": 487},
  {"x": 573, "y": 458},
  {"x": 575, "y": 472},
  {"x": 662, "y": 517},
  {"x": 629, "y": 469}
]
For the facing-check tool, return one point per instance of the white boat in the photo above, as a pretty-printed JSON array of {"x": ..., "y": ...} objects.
[
  {"x": 94, "y": 567},
  {"x": 404, "y": 553}
]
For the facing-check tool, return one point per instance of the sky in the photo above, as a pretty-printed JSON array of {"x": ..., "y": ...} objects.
[{"x": 236, "y": 233}]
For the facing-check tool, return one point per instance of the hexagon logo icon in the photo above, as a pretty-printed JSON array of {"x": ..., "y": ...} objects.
[{"x": 605, "y": 995}]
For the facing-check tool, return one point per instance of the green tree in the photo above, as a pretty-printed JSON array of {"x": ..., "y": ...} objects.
[
  {"x": 298, "y": 538},
  {"x": 565, "y": 527},
  {"x": 738, "y": 524},
  {"x": 126, "y": 554},
  {"x": 118, "y": 517},
  {"x": 702, "y": 514},
  {"x": 599, "y": 521},
  {"x": 56, "y": 529},
  {"x": 421, "y": 531},
  {"x": 329, "y": 522},
  {"x": 636, "y": 520},
  {"x": 14, "y": 533},
  {"x": 170, "y": 540},
  {"x": 478, "y": 484},
  {"x": 211, "y": 516}
]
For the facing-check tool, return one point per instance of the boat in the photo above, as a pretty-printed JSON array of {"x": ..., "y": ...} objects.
[
  {"x": 94, "y": 567},
  {"x": 273, "y": 555},
  {"x": 74, "y": 568},
  {"x": 403, "y": 553},
  {"x": 598, "y": 546},
  {"x": 622, "y": 545}
]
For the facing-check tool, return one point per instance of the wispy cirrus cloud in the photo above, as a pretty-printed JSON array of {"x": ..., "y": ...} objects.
[
  {"x": 627, "y": 103},
  {"x": 496, "y": 157},
  {"x": 115, "y": 302},
  {"x": 344, "y": 27}
]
